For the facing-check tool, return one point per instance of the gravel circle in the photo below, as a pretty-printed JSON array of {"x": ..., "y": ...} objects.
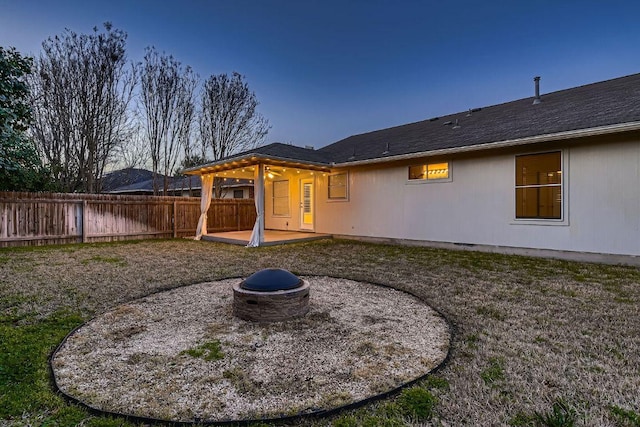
[{"x": 181, "y": 355}]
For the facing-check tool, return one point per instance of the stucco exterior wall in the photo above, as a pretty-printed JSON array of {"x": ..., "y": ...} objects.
[{"x": 601, "y": 201}]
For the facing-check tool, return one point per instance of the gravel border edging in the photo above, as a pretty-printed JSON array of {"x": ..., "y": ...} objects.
[{"x": 452, "y": 330}]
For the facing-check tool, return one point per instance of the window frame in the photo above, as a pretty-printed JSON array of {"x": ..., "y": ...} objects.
[
  {"x": 564, "y": 190},
  {"x": 420, "y": 181},
  {"x": 273, "y": 199},
  {"x": 346, "y": 187}
]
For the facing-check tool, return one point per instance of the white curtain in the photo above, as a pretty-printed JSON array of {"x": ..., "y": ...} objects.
[
  {"x": 257, "y": 235},
  {"x": 205, "y": 202}
]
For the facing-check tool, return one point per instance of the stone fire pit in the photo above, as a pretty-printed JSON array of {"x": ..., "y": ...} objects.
[{"x": 271, "y": 295}]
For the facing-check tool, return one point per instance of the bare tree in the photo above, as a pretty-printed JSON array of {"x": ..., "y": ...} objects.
[
  {"x": 81, "y": 89},
  {"x": 228, "y": 119},
  {"x": 167, "y": 98},
  {"x": 134, "y": 152}
]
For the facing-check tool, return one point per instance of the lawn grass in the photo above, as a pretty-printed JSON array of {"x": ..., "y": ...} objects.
[{"x": 538, "y": 341}]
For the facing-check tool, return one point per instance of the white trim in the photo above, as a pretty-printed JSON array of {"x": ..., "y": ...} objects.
[
  {"x": 602, "y": 130},
  {"x": 564, "y": 192},
  {"x": 338, "y": 199},
  {"x": 253, "y": 159},
  {"x": 256, "y": 158}
]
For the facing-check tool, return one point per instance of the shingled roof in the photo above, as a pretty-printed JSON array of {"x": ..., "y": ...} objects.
[
  {"x": 288, "y": 152},
  {"x": 593, "y": 106},
  {"x": 275, "y": 152},
  {"x": 124, "y": 178}
]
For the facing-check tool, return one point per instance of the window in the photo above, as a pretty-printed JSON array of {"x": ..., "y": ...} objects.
[
  {"x": 281, "y": 198},
  {"x": 238, "y": 194},
  {"x": 338, "y": 186},
  {"x": 539, "y": 186},
  {"x": 429, "y": 171}
]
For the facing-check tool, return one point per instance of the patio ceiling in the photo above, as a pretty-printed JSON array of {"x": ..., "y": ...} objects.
[{"x": 243, "y": 167}]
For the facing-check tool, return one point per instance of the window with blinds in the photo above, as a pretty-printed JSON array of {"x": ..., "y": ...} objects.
[
  {"x": 539, "y": 186},
  {"x": 281, "y": 198}
]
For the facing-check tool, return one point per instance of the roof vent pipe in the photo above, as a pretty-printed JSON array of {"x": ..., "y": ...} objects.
[{"x": 537, "y": 99}]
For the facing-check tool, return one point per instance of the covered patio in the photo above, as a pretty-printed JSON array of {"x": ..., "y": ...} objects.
[
  {"x": 271, "y": 237},
  {"x": 289, "y": 204}
]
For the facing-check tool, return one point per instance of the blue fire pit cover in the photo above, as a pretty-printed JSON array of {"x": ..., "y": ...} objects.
[{"x": 271, "y": 279}]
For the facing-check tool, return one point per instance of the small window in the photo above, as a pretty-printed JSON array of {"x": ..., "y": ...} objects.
[
  {"x": 238, "y": 194},
  {"x": 281, "y": 198},
  {"x": 429, "y": 171},
  {"x": 539, "y": 186},
  {"x": 338, "y": 186}
]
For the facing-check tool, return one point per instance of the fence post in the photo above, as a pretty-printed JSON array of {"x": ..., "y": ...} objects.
[
  {"x": 238, "y": 214},
  {"x": 173, "y": 220},
  {"x": 84, "y": 221}
]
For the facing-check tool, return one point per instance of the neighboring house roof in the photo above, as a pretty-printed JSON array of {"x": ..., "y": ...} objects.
[
  {"x": 178, "y": 183},
  {"x": 185, "y": 183},
  {"x": 124, "y": 177},
  {"x": 598, "y": 108},
  {"x": 145, "y": 186},
  {"x": 193, "y": 182}
]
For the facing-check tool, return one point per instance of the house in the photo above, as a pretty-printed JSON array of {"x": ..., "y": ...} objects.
[
  {"x": 554, "y": 174},
  {"x": 123, "y": 178},
  {"x": 134, "y": 181}
]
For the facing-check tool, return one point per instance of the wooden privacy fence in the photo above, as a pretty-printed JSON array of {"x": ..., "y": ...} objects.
[{"x": 54, "y": 218}]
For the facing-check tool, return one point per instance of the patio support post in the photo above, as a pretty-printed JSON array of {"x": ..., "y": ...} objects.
[
  {"x": 257, "y": 235},
  {"x": 205, "y": 202}
]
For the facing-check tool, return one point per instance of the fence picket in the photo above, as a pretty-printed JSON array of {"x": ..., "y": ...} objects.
[{"x": 55, "y": 218}]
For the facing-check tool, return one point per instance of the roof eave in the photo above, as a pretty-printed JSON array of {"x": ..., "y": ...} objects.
[
  {"x": 581, "y": 133},
  {"x": 251, "y": 160}
]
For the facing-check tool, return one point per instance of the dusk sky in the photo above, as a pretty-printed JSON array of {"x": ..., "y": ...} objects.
[{"x": 325, "y": 70}]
